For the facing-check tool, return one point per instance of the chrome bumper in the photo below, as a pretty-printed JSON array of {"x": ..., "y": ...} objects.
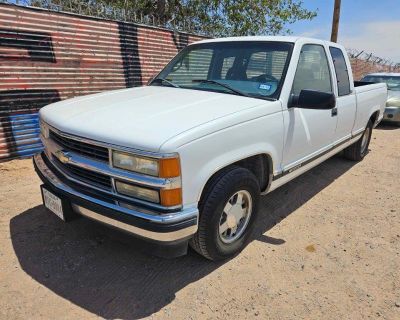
[{"x": 166, "y": 227}]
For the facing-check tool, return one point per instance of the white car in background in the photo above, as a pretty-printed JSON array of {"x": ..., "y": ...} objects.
[{"x": 392, "y": 111}]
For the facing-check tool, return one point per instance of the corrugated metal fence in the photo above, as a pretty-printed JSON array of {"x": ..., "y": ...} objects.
[{"x": 48, "y": 56}]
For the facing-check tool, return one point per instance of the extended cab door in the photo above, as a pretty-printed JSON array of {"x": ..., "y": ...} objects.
[
  {"x": 346, "y": 103},
  {"x": 309, "y": 132}
]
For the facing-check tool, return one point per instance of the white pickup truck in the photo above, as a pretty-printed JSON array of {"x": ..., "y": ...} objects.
[{"x": 185, "y": 159}]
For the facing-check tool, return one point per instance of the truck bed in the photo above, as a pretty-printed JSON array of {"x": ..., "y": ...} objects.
[
  {"x": 369, "y": 96},
  {"x": 362, "y": 86}
]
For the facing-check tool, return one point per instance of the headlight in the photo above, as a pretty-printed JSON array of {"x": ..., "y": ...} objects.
[
  {"x": 137, "y": 192},
  {"x": 164, "y": 168},
  {"x": 393, "y": 102},
  {"x": 135, "y": 163},
  {"x": 167, "y": 198}
]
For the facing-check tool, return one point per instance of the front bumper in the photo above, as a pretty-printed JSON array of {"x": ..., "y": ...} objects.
[
  {"x": 392, "y": 114},
  {"x": 163, "y": 228}
]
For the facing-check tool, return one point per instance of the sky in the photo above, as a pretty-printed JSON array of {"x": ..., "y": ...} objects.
[{"x": 369, "y": 25}]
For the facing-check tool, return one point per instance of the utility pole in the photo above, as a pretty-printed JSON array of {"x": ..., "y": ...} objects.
[{"x": 335, "y": 21}]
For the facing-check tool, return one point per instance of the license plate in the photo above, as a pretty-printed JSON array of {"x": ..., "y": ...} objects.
[{"x": 53, "y": 203}]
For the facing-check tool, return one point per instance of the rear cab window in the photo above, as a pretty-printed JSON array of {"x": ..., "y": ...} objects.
[{"x": 341, "y": 70}]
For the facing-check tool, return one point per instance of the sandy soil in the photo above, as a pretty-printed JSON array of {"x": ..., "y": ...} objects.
[{"x": 327, "y": 247}]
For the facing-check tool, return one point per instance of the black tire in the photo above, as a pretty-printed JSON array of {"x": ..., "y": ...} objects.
[
  {"x": 358, "y": 150},
  {"x": 207, "y": 240}
]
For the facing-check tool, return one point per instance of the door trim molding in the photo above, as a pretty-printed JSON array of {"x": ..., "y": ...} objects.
[{"x": 301, "y": 164}]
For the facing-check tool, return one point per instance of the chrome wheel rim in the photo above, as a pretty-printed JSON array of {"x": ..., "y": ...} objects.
[
  {"x": 364, "y": 140},
  {"x": 235, "y": 216}
]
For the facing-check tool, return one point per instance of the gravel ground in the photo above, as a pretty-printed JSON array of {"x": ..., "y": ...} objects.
[{"x": 327, "y": 247}]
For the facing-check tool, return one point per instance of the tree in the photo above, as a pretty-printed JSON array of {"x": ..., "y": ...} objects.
[
  {"x": 210, "y": 17},
  {"x": 243, "y": 17}
]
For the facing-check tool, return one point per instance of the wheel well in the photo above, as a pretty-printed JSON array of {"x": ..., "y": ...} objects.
[
  {"x": 260, "y": 165},
  {"x": 374, "y": 117}
]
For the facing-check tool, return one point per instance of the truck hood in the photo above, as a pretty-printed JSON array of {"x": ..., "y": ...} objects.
[{"x": 144, "y": 117}]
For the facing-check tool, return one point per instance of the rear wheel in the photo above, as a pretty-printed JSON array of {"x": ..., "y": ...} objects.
[
  {"x": 228, "y": 210},
  {"x": 359, "y": 149}
]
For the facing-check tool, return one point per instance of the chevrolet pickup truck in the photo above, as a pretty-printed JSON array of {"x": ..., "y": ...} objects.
[{"x": 183, "y": 160}]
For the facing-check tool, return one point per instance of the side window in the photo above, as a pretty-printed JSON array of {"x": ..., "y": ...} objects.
[
  {"x": 312, "y": 70},
  {"x": 342, "y": 74}
]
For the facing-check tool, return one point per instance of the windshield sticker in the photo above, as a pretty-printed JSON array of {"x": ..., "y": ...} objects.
[{"x": 264, "y": 86}]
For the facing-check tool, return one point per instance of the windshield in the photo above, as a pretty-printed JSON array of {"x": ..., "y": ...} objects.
[
  {"x": 255, "y": 69},
  {"x": 393, "y": 82}
]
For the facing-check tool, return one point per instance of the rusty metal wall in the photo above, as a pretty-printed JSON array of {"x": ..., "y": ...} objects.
[{"x": 48, "y": 56}]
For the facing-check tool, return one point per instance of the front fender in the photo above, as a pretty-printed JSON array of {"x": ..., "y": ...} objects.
[{"x": 202, "y": 158}]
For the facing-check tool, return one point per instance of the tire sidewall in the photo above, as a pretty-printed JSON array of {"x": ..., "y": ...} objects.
[
  {"x": 363, "y": 153},
  {"x": 214, "y": 242}
]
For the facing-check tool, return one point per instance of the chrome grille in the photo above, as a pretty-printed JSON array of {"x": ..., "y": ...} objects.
[
  {"x": 85, "y": 149},
  {"x": 90, "y": 177}
]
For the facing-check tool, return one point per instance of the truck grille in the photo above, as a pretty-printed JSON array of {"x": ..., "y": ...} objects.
[
  {"x": 84, "y": 175},
  {"x": 85, "y": 149}
]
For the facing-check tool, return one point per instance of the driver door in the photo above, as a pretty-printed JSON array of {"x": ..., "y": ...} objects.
[{"x": 309, "y": 132}]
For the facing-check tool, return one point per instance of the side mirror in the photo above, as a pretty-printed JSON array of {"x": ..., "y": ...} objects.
[{"x": 310, "y": 99}]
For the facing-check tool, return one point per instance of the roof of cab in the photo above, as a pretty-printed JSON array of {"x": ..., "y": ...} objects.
[{"x": 262, "y": 38}]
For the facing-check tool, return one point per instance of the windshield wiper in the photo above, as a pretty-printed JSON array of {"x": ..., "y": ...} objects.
[
  {"x": 161, "y": 80},
  {"x": 222, "y": 85}
]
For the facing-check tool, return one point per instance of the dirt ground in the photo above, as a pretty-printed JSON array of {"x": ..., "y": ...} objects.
[{"x": 327, "y": 247}]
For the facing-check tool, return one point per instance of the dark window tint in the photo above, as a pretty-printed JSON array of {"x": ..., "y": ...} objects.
[{"x": 342, "y": 73}]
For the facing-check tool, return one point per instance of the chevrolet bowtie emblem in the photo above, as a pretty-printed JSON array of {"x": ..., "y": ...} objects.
[{"x": 63, "y": 156}]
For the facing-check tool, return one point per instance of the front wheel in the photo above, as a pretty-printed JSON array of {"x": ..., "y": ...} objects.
[
  {"x": 228, "y": 211},
  {"x": 359, "y": 149}
]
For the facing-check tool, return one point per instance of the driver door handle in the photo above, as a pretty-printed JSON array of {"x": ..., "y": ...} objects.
[{"x": 334, "y": 112}]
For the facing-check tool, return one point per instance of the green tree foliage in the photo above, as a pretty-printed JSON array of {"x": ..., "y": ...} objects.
[{"x": 211, "y": 17}]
